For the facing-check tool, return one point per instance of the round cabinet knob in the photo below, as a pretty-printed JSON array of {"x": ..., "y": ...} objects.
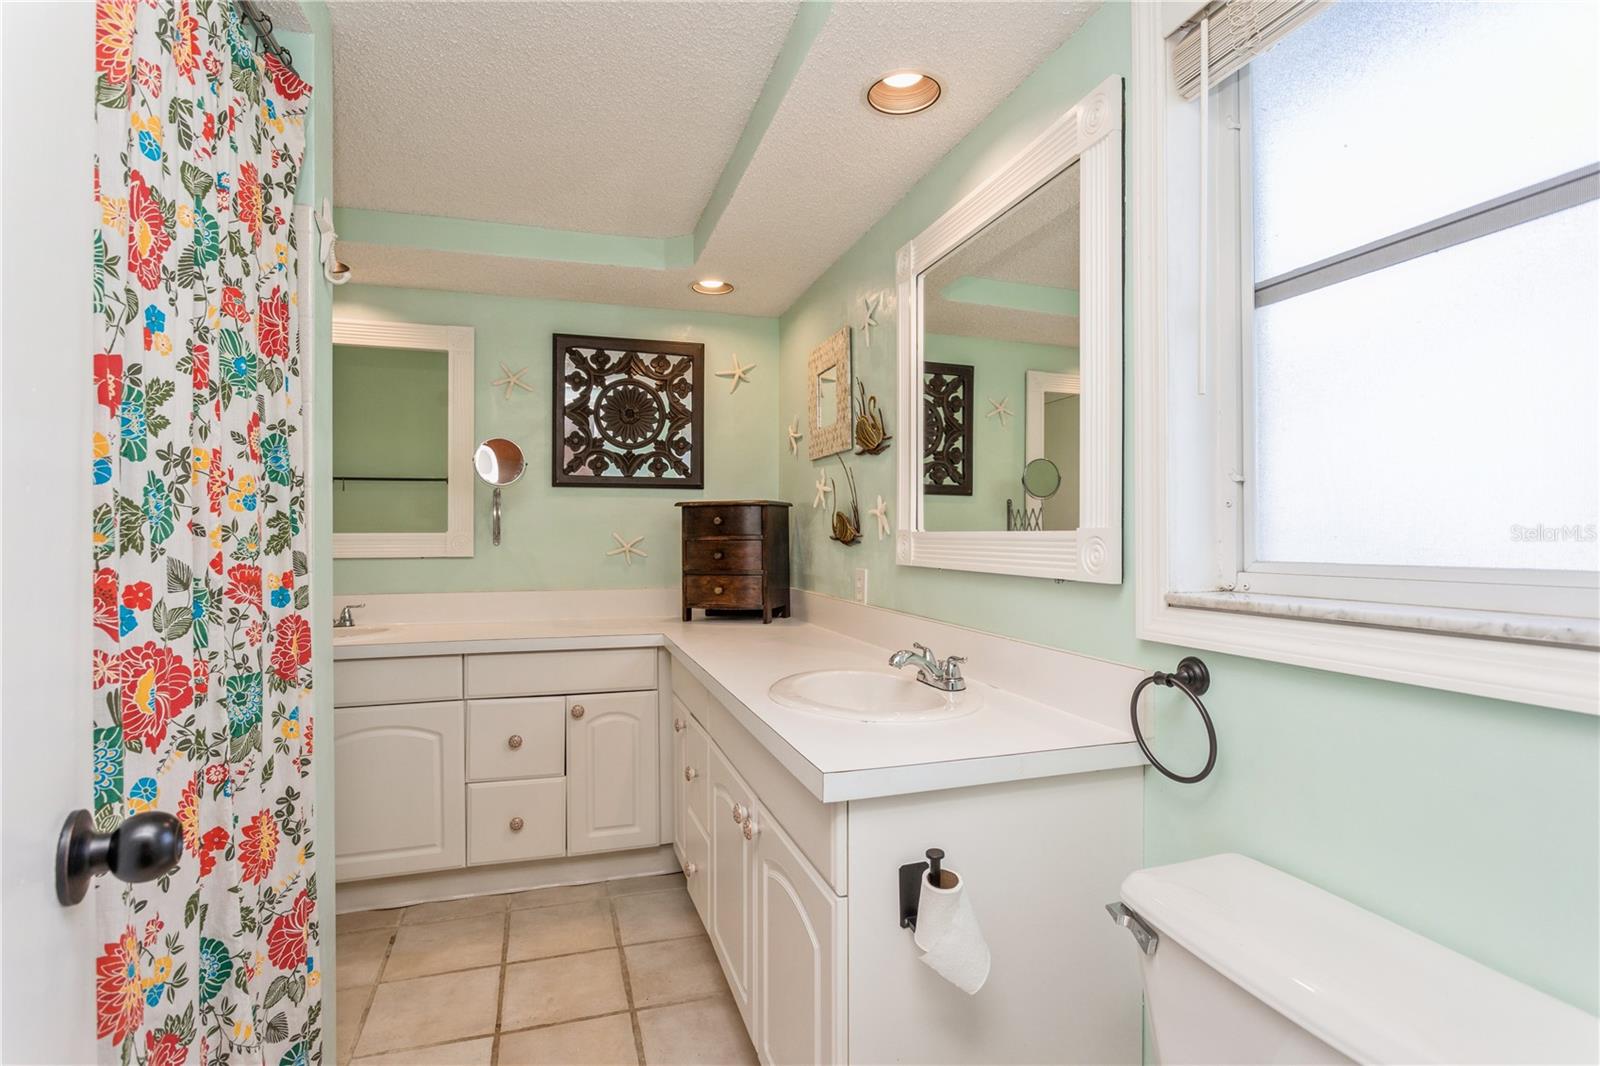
[
  {"x": 679, "y": 725},
  {"x": 689, "y": 773},
  {"x": 514, "y": 741},
  {"x": 716, "y": 555},
  {"x": 577, "y": 710},
  {"x": 749, "y": 830},
  {"x": 717, "y": 591},
  {"x": 716, "y": 520},
  {"x": 690, "y": 869},
  {"x": 517, "y": 824},
  {"x": 739, "y": 814}
]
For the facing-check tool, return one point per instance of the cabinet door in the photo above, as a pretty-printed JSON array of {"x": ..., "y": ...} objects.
[
  {"x": 510, "y": 821},
  {"x": 800, "y": 955},
  {"x": 516, "y": 738},
  {"x": 680, "y": 787},
  {"x": 613, "y": 772},
  {"x": 732, "y": 878},
  {"x": 399, "y": 789}
]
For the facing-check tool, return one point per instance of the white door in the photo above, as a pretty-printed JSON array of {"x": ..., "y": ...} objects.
[
  {"x": 400, "y": 789},
  {"x": 732, "y": 876},
  {"x": 613, "y": 768},
  {"x": 800, "y": 955},
  {"x": 46, "y": 86}
]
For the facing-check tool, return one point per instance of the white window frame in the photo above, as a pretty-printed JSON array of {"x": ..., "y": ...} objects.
[{"x": 1189, "y": 540}]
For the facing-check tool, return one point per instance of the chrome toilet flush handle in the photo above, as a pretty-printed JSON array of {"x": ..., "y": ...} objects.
[{"x": 1147, "y": 938}]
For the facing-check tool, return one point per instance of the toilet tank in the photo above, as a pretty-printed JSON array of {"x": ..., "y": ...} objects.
[{"x": 1255, "y": 966}]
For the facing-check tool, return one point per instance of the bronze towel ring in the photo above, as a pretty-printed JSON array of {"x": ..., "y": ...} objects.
[{"x": 1192, "y": 679}]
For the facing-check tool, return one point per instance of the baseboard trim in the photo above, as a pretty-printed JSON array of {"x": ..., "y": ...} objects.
[{"x": 384, "y": 893}]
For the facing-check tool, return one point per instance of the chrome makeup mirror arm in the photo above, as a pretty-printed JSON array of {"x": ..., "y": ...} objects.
[{"x": 495, "y": 519}]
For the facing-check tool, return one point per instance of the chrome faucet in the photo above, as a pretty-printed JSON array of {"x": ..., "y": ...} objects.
[
  {"x": 346, "y": 620},
  {"x": 944, "y": 675}
]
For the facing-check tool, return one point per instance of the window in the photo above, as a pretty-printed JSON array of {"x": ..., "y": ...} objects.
[{"x": 1407, "y": 263}]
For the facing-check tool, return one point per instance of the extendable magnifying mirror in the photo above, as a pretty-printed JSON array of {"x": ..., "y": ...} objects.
[
  {"x": 1041, "y": 479},
  {"x": 498, "y": 462}
]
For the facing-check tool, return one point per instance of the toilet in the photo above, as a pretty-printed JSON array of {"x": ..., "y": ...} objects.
[{"x": 1243, "y": 963}]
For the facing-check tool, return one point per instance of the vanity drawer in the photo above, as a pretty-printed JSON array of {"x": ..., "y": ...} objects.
[
  {"x": 358, "y": 682},
  {"x": 737, "y": 590},
  {"x": 516, "y": 738},
  {"x": 508, "y": 821},
  {"x": 733, "y": 520},
  {"x": 721, "y": 556},
  {"x": 555, "y": 673}
]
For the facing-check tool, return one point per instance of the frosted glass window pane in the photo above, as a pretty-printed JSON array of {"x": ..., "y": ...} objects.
[
  {"x": 1417, "y": 415},
  {"x": 1376, "y": 117}
]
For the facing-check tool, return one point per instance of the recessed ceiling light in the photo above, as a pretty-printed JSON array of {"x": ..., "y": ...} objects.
[
  {"x": 903, "y": 92},
  {"x": 712, "y": 287}
]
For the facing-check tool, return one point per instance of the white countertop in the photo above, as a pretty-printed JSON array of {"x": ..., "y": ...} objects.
[{"x": 1009, "y": 738}]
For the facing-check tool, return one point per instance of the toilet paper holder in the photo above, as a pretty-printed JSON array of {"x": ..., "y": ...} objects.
[{"x": 911, "y": 885}]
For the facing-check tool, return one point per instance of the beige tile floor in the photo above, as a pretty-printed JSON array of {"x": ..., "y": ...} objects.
[{"x": 612, "y": 973}]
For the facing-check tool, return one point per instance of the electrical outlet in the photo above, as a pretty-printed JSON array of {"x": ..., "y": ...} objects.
[{"x": 861, "y": 584}]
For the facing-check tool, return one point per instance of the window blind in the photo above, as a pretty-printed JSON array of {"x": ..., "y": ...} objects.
[{"x": 1237, "y": 32}]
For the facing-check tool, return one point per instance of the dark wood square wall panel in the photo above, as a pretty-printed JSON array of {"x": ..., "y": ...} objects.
[
  {"x": 736, "y": 557},
  {"x": 628, "y": 413}
]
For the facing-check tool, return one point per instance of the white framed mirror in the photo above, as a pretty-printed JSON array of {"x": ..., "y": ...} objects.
[
  {"x": 402, "y": 440},
  {"x": 1019, "y": 288}
]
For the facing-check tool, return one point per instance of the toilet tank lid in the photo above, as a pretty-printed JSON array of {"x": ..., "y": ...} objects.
[{"x": 1357, "y": 982}]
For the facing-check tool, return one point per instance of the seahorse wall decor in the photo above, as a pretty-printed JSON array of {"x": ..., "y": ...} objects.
[
  {"x": 872, "y": 436},
  {"x": 847, "y": 528}
]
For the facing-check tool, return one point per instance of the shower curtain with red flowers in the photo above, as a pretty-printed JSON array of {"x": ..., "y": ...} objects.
[{"x": 202, "y": 650}]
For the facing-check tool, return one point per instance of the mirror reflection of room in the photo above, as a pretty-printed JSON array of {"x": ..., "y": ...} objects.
[
  {"x": 827, "y": 397},
  {"x": 390, "y": 421},
  {"x": 1005, "y": 303}
]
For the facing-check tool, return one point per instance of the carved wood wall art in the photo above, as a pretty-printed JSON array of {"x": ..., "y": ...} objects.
[
  {"x": 830, "y": 363},
  {"x": 947, "y": 429},
  {"x": 628, "y": 413},
  {"x": 872, "y": 435}
]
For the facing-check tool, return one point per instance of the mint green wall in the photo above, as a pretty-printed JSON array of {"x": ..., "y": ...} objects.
[
  {"x": 391, "y": 410},
  {"x": 999, "y": 370},
  {"x": 1470, "y": 821},
  {"x": 557, "y": 537}
]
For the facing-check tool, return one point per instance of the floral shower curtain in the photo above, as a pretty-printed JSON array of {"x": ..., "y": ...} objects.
[{"x": 202, "y": 650}]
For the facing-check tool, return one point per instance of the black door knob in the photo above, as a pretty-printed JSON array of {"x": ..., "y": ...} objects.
[{"x": 142, "y": 848}]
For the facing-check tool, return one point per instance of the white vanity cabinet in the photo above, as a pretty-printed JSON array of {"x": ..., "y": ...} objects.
[
  {"x": 446, "y": 762},
  {"x": 732, "y": 881}
]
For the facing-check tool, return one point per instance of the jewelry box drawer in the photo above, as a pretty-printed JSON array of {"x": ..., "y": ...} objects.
[
  {"x": 718, "y": 556},
  {"x": 733, "y": 521},
  {"x": 739, "y": 590}
]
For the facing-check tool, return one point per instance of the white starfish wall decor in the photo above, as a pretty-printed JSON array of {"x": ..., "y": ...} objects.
[
  {"x": 511, "y": 379},
  {"x": 795, "y": 436},
  {"x": 1000, "y": 409},
  {"x": 628, "y": 549},
  {"x": 823, "y": 487},
  {"x": 873, "y": 303},
  {"x": 737, "y": 373},
  {"x": 881, "y": 513}
]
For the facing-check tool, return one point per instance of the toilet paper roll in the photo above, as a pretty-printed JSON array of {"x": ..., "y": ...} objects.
[{"x": 948, "y": 933}]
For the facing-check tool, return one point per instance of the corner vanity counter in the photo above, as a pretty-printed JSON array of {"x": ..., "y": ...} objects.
[{"x": 488, "y": 756}]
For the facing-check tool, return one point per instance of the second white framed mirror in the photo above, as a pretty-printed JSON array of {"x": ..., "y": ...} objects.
[{"x": 1019, "y": 288}]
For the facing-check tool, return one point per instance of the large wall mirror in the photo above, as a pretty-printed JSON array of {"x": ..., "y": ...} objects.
[
  {"x": 402, "y": 440},
  {"x": 1010, "y": 340}
]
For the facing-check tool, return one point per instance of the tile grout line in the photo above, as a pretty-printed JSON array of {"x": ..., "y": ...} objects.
[
  {"x": 372, "y": 997},
  {"x": 500, "y": 995},
  {"x": 544, "y": 958},
  {"x": 627, "y": 987}
]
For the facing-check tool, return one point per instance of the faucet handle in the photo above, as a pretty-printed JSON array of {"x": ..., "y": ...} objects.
[
  {"x": 352, "y": 606},
  {"x": 923, "y": 648},
  {"x": 952, "y": 665}
]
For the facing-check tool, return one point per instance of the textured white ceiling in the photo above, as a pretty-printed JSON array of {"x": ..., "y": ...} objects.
[
  {"x": 619, "y": 118},
  {"x": 600, "y": 117}
]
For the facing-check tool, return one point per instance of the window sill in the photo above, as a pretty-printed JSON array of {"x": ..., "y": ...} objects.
[{"x": 1482, "y": 625}]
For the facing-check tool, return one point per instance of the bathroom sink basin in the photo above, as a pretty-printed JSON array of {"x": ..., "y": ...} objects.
[
  {"x": 872, "y": 696},
  {"x": 359, "y": 631}
]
